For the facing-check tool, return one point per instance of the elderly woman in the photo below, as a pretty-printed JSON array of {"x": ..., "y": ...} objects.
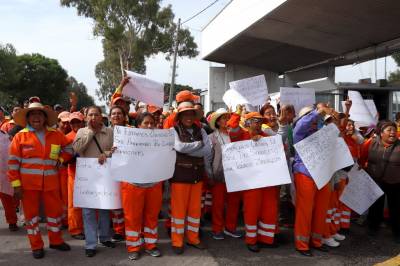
[
  {"x": 381, "y": 158},
  {"x": 193, "y": 149},
  {"x": 95, "y": 141},
  {"x": 36, "y": 152}
]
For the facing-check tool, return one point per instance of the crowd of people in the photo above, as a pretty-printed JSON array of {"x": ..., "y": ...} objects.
[{"x": 47, "y": 141}]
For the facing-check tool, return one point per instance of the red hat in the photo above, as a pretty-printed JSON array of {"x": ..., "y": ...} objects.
[
  {"x": 76, "y": 115},
  {"x": 186, "y": 96},
  {"x": 120, "y": 98},
  {"x": 153, "y": 109}
]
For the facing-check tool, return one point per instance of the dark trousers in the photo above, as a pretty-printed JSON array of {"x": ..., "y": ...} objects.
[{"x": 375, "y": 214}]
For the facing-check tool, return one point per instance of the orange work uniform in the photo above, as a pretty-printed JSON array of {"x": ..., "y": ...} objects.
[
  {"x": 75, "y": 223},
  {"x": 260, "y": 205},
  {"x": 32, "y": 165},
  {"x": 141, "y": 206},
  {"x": 10, "y": 205}
]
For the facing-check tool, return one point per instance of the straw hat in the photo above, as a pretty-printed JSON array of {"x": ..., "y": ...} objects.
[
  {"x": 253, "y": 115},
  {"x": 20, "y": 116},
  {"x": 217, "y": 114},
  {"x": 184, "y": 107}
]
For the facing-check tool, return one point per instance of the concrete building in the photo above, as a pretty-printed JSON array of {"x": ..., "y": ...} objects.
[{"x": 297, "y": 40}]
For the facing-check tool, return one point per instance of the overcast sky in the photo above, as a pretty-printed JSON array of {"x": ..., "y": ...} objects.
[{"x": 43, "y": 26}]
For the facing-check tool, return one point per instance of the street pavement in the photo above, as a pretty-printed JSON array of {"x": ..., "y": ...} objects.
[{"x": 358, "y": 249}]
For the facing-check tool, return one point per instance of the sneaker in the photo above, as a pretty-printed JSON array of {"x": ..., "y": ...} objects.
[
  {"x": 13, "y": 227},
  {"x": 134, "y": 255},
  {"x": 330, "y": 242},
  {"x": 155, "y": 252},
  {"x": 78, "y": 236},
  {"x": 234, "y": 234},
  {"x": 62, "y": 247},
  {"x": 118, "y": 238},
  {"x": 108, "y": 244},
  {"x": 218, "y": 236},
  {"x": 38, "y": 253},
  {"x": 306, "y": 253},
  {"x": 253, "y": 248},
  {"x": 338, "y": 237},
  {"x": 90, "y": 253}
]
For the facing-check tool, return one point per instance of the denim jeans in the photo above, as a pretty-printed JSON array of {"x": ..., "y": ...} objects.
[{"x": 92, "y": 225}]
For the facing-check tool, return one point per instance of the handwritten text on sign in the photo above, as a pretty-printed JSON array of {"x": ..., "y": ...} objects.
[
  {"x": 94, "y": 187},
  {"x": 323, "y": 153},
  {"x": 143, "y": 155},
  {"x": 255, "y": 164},
  {"x": 359, "y": 111},
  {"x": 253, "y": 90},
  {"x": 298, "y": 97},
  {"x": 361, "y": 192}
]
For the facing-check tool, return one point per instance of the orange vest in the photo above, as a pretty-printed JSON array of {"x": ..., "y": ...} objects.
[
  {"x": 33, "y": 165},
  {"x": 71, "y": 166}
]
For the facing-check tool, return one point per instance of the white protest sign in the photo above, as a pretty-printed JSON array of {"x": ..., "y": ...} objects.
[
  {"x": 143, "y": 155},
  {"x": 255, "y": 164},
  {"x": 232, "y": 98},
  {"x": 323, "y": 153},
  {"x": 5, "y": 186},
  {"x": 253, "y": 91},
  {"x": 298, "y": 97},
  {"x": 361, "y": 191},
  {"x": 94, "y": 187},
  {"x": 359, "y": 111},
  {"x": 372, "y": 109},
  {"x": 143, "y": 89}
]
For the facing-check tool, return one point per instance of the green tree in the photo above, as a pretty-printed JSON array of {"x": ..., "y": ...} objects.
[
  {"x": 394, "y": 77},
  {"x": 84, "y": 99},
  {"x": 133, "y": 30},
  {"x": 177, "y": 89},
  {"x": 8, "y": 67}
]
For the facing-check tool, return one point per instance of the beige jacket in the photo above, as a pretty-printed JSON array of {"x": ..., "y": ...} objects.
[{"x": 85, "y": 145}]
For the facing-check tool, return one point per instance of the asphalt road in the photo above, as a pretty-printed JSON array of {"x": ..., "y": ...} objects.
[{"x": 357, "y": 249}]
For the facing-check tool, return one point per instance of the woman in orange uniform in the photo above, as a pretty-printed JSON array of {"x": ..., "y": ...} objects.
[
  {"x": 142, "y": 204},
  {"x": 35, "y": 155}
]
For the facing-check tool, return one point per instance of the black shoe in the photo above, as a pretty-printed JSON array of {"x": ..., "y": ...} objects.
[
  {"x": 62, "y": 247},
  {"x": 322, "y": 248},
  {"x": 78, "y": 236},
  {"x": 38, "y": 253},
  {"x": 155, "y": 252},
  {"x": 265, "y": 245},
  {"x": 90, "y": 252},
  {"x": 118, "y": 238},
  {"x": 200, "y": 245},
  {"x": 177, "y": 250},
  {"x": 108, "y": 244},
  {"x": 253, "y": 248},
  {"x": 13, "y": 227},
  {"x": 306, "y": 253}
]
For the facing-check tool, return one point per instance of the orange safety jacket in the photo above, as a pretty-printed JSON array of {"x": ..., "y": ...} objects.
[{"x": 34, "y": 165}]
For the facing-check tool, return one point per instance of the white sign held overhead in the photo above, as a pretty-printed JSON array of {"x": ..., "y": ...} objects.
[
  {"x": 140, "y": 149},
  {"x": 298, "y": 97},
  {"x": 372, "y": 109},
  {"x": 255, "y": 164},
  {"x": 143, "y": 89},
  {"x": 359, "y": 111},
  {"x": 253, "y": 91},
  {"x": 94, "y": 187},
  {"x": 323, "y": 153},
  {"x": 5, "y": 186},
  {"x": 361, "y": 191}
]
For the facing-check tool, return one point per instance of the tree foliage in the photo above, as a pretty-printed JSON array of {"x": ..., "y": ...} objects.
[
  {"x": 132, "y": 31},
  {"x": 84, "y": 99},
  {"x": 394, "y": 77}
]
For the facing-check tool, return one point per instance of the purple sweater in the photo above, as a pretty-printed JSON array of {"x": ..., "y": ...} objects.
[{"x": 301, "y": 131}]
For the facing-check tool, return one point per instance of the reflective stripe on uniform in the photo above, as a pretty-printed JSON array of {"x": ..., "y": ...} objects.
[
  {"x": 54, "y": 220},
  {"x": 14, "y": 158},
  {"x": 192, "y": 228},
  {"x": 303, "y": 238},
  {"x": 118, "y": 221},
  {"x": 148, "y": 230},
  {"x": 38, "y": 171},
  {"x": 251, "y": 234},
  {"x": 33, "y": 231},
  {"x": 177, "y": 230},
  {"x": 13, "y": 167},
  {"x": 267, "y": 226},
  {"x": 346, "y": 213},
  {"x": 193, "y": 220},
  {"x": 317, "y": 236},
  {"x": 345, "y": 220},
  {"x": 177, "y": 221},
  {"x": 134, "y": 244},
  {"x": 251, "y": 227},
  {"x": 117, "y": 212},
  {"x": 330, "y": 211},
  {"x": 337, "y": 214},
  {"x": 53, "y": 229},
  {"x": 150, "y": 240},
  {"x": 39, "y": 161},
  {"x": 33, "y": 220},
  {"x": 328, "y": 220},
  {"x": 264, "y": 233},
  {"x": 132, "y": 233}
]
